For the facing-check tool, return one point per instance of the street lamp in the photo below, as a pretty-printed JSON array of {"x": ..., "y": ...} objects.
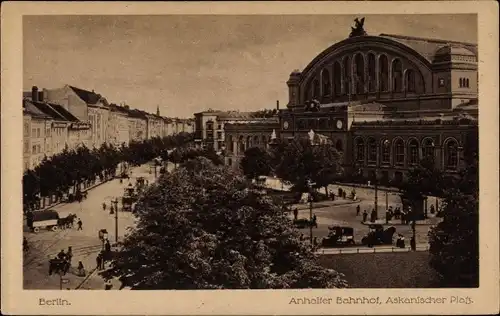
[
  {"x": 116, "y": 218},
  {"x": 413, "y": 242},
  {"x": 310, "y": 186}
]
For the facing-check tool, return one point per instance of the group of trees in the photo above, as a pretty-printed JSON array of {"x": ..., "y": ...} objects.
[
  {"x": 182, "y": 154},
  {"x": 454, "y": 242},
  {"x": 56, "y": 175},
  {"x": 295, "y": 162},
  {"x": 203, "y": 226}
]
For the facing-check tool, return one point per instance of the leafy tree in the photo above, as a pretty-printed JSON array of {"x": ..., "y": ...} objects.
[
  {"x": 300, "y": 160},
  {"x": 204, "y": 227},
  {"x": 256, "y": 162},
  {"x": 454, "y": 243}
]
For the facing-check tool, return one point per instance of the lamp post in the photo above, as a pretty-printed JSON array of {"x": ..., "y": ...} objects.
[
  {"x": 413, "y": 242},
  {"x": 116, "y": 219},
  {"x": 310, "y": 186}
]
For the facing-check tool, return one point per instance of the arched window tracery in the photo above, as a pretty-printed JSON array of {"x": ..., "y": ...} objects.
[
  {"x": 372, "y": 75},
  {"x": 347, "y": 75},
  {"x": 360, "y": 73},
  {"x": 327, "y": 85},
  {"x": 428, "y": 148},
  {"x": 413, "y": 152},
  {"x": 451, "y": 154},
  {"x": 410, "y": 80},
  {"x": 399, "y": 152},
  {"x": 397, "y": 70},
  {"x": 337, "y": 78},
  {"x": 384, "y": 73}
]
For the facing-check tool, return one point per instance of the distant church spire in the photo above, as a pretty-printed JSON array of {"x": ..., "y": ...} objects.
[{"x": 158, "y": 110}]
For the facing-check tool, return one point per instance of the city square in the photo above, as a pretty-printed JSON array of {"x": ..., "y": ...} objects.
[{"x": 372, "y": 156}]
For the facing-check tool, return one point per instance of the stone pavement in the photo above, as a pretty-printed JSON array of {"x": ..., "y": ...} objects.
[{"x": 85, "y": 243}]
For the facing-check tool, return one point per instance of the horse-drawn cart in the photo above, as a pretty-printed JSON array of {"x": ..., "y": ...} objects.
[{"x": 46, "y": 219}]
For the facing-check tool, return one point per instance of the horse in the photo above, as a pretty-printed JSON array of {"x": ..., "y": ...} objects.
[{"x": 66, "y": 222}]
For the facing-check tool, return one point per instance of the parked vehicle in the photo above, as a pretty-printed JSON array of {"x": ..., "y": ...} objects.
[
  {"x": 378, "y": 236},
  {"x": 339, "y": 236},
  {"x": 303, "y": 223},
  {"x": 46, "y": 219}
]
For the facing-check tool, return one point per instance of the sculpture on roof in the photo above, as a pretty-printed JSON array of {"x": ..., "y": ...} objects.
[{"x": 358, "y": 30}]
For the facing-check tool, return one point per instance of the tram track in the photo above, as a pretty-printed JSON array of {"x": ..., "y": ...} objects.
[{"x": 78, "y": 251}]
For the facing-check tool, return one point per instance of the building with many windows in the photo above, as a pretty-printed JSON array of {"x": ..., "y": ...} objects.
[{"x": 387, "y": 101}]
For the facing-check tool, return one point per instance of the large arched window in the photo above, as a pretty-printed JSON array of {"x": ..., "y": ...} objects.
[
  {"x": 372, "y": 75},
  {"x": 397, "y": 71},
  {"x": 399, "y": 152},
  {"x": 384, "y": 73},
  {"x": 360, "y": 149},
  {"x": 372, "y": 150},
  {"x": 386, "y": 151},
  {"x": 327, "y": 85},
  {"x": 410, "y": 80},
  {"x": 451, "y": 154},
  {"x": 347, "y": 75},
  {"x": 256, "y": 140},
  {"x": 413, "y": 157},
  {"x": 337, "y": 78},
  {"x": 360, "y": 73},
  {"x": 315, "y": 89},
  {"x": 428, "y": 148},
  {"x": 231, "y": 144},
  {"x": 241, "y": 142},
  {"x": 338, "y": 145}
]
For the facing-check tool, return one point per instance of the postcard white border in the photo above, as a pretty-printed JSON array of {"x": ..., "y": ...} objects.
[{"x": 15, "y": 300}]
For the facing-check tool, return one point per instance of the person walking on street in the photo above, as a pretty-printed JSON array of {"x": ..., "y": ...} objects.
[
  {"x": 295, "y": 213},
  {"x": 79, "y": 223},
  {"x": 358, "y": 210},
  {"x": 365, "y": 215},
  {"x": 69, "y": 254},
  {"x": 81, "y": 269},
  {"x": 99, "y": 261}
]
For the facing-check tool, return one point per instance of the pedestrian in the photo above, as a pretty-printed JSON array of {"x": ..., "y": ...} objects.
[
  {"x": 81, "y": 269},
  {"x": 99, "y": 261},
  {"x": 103, "y": 206},
  {"x": 373, "y": 216},
  {"x": 339, "y": 192},
  {"x": 358, "y": 209},
  {"x": 107, "y": 246},
  {"x": 111, "y": 210},
  {"x": 69, "y": 254},
  {"x": 387, "y": 216},
  {"x": 52, "y": 265},
  {"x": 344, "y": 194},
  {"x": 295, "y": 213},
  {"x": 79, "y": 223},
  {"x": 365, "y": 215},
  {"x": 61, "y": 255}
]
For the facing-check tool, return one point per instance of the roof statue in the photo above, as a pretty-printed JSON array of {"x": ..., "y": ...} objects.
[{"x": 358, "y": 30}]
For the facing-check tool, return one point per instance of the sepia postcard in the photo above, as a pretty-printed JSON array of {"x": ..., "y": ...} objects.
[{"x": 257, "y": 158}]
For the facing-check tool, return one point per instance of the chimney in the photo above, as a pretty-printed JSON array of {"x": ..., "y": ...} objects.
[
  {"x": 40, "y": 96},
  {"x": 34, "y": 93},
  {"x": 278, "y": 105}
]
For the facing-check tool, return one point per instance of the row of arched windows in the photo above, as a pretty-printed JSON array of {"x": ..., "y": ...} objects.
[
  {"x": 352, "y": 73},
  {"x": 397, "y": 149},
  {"x": 247, "y": 142},
  {"x": 464, "y": 82}
]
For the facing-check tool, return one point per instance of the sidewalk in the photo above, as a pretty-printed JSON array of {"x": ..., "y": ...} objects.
[{"x": 397, "y": 222}]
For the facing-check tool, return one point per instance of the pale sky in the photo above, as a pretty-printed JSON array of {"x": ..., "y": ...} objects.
[{"x": 187, "y": 64}]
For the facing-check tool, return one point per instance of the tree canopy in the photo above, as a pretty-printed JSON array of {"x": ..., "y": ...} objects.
[
  {"x": 300, "y": 160},
  {"x": 204, "y": 227},
  {"x": 256, "y": 162},
  {"x": 454, "y": 243}
]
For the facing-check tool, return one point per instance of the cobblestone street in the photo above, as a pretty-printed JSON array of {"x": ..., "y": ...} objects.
[{"x": 85, "y": 243}]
